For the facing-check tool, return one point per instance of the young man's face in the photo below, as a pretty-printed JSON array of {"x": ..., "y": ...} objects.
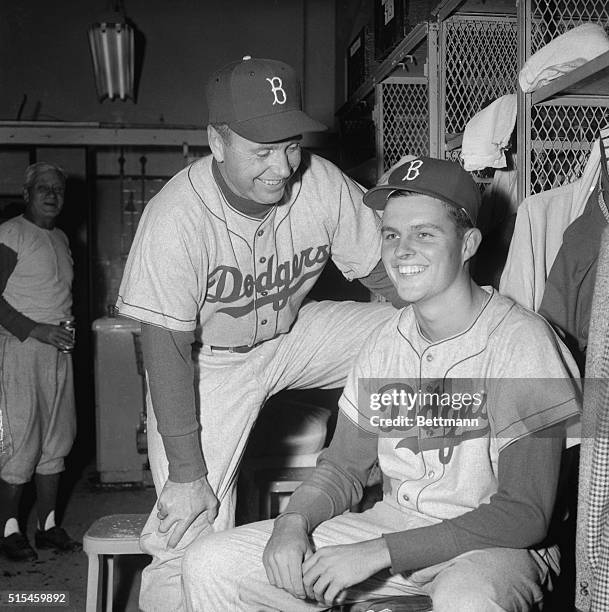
[
  {"x": 422, "y": 250},
  {"x": 258, "y": 172}
]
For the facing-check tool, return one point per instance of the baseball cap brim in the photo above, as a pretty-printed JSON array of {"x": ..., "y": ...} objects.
[
  {"x": 377, "y": 197},
  {"x": 441, "y": 179},
  {"x": 276, "y": 127}
]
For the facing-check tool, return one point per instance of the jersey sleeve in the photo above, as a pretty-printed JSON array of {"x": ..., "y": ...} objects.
[
  {"x": 338, "y": 481},
  {"x": 517, "y": 516},
  {"x": 10, "y": 318},
  {"x": 356, "y": 244},
  {"x": 539, "y": 387},
  {"x": 167, "y": 355},
  {"x": 165, "y": 277},
  {"x": 379, "y": 283}
]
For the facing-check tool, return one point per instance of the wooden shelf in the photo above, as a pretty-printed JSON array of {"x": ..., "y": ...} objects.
[
  {"x": 560, "y": 145},
  {"x": 98, "y": 134},
  {"x": 410, "y": 42},
  {"x": 40, "y": 133},
  {"x": 446, "y": 8},
  {"x": 590, "y": 79}
]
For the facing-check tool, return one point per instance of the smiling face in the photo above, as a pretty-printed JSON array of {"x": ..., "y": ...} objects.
[
  {"x": 44, "y": 199},
  {"x": 423, "y": 251},
  {"x": 255, "y": 171}
]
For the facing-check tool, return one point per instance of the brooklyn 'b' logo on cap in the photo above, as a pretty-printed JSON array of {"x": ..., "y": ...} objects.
[
  {"x": 413, "y": 170},
  {"x": 259, "y": 99},
  {"x": 437, "y": 178},
  {"x": 277, "y": 90}
]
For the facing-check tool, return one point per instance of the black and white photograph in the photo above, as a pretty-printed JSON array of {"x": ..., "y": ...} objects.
[{"x": 304, "y": 305}]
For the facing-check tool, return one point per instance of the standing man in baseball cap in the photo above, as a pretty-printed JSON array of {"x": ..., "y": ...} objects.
[
  {"x": 220, "y": 267},
  {"x": 462, "y": 398}
]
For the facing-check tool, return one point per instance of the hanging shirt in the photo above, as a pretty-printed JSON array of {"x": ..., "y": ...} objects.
[
  {"x": 567, "y": 300},
  {"x": 540, "y": 224}
]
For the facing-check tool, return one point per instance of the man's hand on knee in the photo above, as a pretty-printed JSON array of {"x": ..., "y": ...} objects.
[
  {"x": 180, "y": 503},
  {"x": 333, "y": 569},
  {"x": 285, "y": 552}
]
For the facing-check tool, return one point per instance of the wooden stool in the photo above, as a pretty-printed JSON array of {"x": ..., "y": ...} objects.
[
  {"x": 115, "y": 534},
  {"x": 276, "y": 478},
  {"x": 278, "y": 484}
]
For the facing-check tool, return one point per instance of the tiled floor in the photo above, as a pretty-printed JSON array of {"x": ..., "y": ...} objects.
[{"x": 68, "y": 571}]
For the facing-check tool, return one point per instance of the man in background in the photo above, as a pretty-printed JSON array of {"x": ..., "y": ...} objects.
[{"x": 37, "y": 395}]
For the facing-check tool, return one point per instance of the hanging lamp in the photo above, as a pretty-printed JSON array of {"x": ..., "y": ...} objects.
[{"x": 111, "y": 41}]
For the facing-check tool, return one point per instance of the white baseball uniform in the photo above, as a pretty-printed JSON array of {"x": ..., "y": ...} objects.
[
  {"x": 37, "y": 407},
  {"x": 197, "y": 263}
]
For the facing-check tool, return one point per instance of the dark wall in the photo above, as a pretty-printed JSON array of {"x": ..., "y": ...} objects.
[{"x": 185, "y": 40}]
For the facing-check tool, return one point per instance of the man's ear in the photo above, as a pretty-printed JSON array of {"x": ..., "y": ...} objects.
[
  {"x": 26, "y": 195},
  {"x": 471, "y": 242},
  {"x": 216, "y": 143}
]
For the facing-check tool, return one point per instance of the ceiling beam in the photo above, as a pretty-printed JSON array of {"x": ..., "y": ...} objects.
[{"x": 40, "y": 133}]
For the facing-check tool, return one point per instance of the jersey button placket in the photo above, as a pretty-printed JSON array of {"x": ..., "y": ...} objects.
[
  {"x": 403, "y": 496},
  {"x": 263, "y": 262},
  {"x": 257, "y": 272}
]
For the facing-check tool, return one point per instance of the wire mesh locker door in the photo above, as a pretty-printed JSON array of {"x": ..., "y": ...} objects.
[
  {"x": 478, "y": 64},
  {"x": 561, "y": 138},
  {"x": 401, "y": 119},
  {"x": 558, "y": 133}
]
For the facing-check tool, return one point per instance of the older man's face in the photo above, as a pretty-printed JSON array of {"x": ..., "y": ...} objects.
[
  {"x": 44, "y": 199},
  {"x": 258, "y": 172}
]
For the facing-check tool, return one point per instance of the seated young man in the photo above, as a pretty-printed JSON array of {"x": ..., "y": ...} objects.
[{"x": 462, "y": 398}]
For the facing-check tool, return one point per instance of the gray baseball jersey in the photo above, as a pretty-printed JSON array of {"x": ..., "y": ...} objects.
[
  {"x": 464, "y": 399},
  {"x": 195, "y": 259}
]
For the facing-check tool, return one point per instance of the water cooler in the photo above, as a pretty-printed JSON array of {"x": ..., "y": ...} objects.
[{"x": 119, "y": 401}]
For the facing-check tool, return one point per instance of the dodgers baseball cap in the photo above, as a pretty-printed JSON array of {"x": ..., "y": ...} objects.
[
  {"x": 438, "y": 178},
  {"x": 259, "y": 99}
]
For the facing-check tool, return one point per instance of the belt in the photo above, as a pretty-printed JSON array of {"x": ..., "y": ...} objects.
[{"x": 234, "y": 349}]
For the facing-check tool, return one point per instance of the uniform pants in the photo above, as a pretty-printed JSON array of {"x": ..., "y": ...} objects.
[
  {"x": 316, "y": 353},
  {"x": 224, "y": 571},
  {"x": 37, "y": 411}
]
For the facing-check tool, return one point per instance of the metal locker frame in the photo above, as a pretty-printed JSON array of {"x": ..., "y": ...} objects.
[
  {"x": 474, "y": 69},
  {"x": 402, "y": 119},
  {"x": 472, "y": 59},
  {"x": 556, "y": 135},
  {"x": 395, "y": 97}
]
